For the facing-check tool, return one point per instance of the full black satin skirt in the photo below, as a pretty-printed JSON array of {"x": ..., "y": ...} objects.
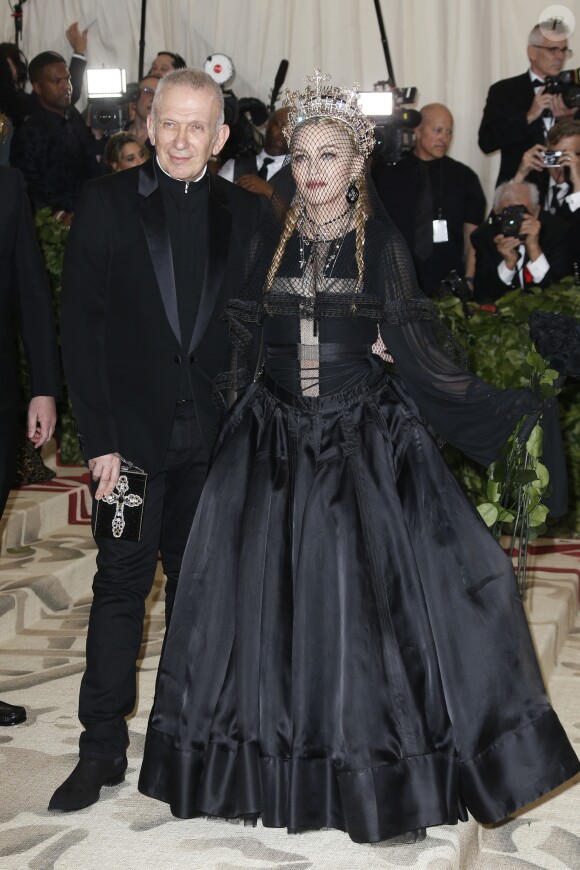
[{"x": 347, "y": 647}]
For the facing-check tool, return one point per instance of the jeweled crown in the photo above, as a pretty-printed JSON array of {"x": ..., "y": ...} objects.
[{"x": 321, "y": 100}]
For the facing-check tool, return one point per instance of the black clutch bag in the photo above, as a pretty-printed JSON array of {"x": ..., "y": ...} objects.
[{"x": 120, "y": 514}]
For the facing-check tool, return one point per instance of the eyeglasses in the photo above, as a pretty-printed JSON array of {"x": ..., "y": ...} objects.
[
  {"x": 554, "y": 49},
  {"x": 148, "y": 91}
]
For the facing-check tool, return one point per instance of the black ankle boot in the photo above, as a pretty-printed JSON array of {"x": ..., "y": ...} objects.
[{"x": 83, "y": 786}]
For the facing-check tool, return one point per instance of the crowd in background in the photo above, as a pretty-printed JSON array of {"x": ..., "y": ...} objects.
[{"x": 529, "y": 235}]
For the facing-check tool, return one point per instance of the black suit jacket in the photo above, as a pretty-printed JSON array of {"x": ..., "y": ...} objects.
[
  {"x": 504, "y": 125},
  {"x": 554, "y": 241},
  {"x": 572, "y": 218},
  {"x": 25, "y": 300},
  {"x": 120, "y": 325}
]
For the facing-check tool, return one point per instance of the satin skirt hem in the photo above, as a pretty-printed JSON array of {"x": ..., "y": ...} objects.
[{"x": 298, "y": 794}]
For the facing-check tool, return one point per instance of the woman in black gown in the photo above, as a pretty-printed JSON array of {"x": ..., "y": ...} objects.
[{"x": 347, "y": 647}]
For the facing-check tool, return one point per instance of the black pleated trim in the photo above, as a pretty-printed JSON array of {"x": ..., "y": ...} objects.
[
  {"x": 371, "y": 805},
  {"x": 517, "y": 769}
]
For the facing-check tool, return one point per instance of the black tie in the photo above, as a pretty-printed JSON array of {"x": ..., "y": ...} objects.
[
  {"x": 263, "y": 173},
  {"x": 538, "y": 83}
]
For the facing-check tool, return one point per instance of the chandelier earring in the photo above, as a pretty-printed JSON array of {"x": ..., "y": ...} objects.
[{"x": 352, "y": 193}]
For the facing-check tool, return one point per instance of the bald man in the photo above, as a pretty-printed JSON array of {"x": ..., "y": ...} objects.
[{"x": 435, "y": 201}]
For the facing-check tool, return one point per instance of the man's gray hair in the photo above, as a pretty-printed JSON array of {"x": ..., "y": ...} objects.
[
  {"x": 197, "y": 80},
  {"x": 555, "y": 25},
  {"x": 509, "y": 189}
]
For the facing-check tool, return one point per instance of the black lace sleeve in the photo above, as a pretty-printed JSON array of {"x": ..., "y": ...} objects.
[{"x": 467, "y": 412}]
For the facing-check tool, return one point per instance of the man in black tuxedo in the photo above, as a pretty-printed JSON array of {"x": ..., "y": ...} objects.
[
  {"x": 255, "y": 172},
  {"x": 559, "y": 184},
  {"x": 25, "y": 301},
  {"x": 154, "y": 253},
  {"x": 518, "y": 113},
  {"x": 539, "y": 254}
]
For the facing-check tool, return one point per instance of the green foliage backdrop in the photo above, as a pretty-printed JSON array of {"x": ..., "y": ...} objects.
[{"x": 497, "y": 343}]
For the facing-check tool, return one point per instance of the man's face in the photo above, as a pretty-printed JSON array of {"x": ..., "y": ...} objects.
[
  {"x": 162, "y": 64},
  {"x": 566, "y": 143},
  {"x": 433, "y": 135},
  {"x": 276, "y": 144},
  {"x": 547, "y": 57},
  {"x": 184, "y": 131},
  {"x": 53, "y": 87},
  {"x": 146, "y": 93}
]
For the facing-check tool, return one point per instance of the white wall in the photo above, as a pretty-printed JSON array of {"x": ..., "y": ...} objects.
[{"x": 450, "y": 49}]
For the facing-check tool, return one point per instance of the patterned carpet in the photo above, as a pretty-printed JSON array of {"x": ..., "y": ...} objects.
[{"x": 46, "y": 567}]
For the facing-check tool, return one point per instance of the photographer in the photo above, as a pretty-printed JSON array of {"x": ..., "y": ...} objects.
[
  {"x": 519, "y": 246},
  {"x": 435, "y": 201},
  {"x": 555, "y": 170},
  {"x": 519, "y": 111}
]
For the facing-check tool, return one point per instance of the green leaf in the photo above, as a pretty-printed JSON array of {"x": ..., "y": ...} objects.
[
  {"x": 488, "y": 513},
  {"x": 534, "y": 442},
  {"x": 505, "y": 516},
  {"x": 543, "y": 478},
  {"x": 536, "y": 361},
  {"x": 525, "y": 475},
  {"x": 538, "y": 515},
  {"x": 493, "y": 491}
]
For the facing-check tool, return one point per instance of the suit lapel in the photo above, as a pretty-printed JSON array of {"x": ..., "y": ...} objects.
[
  {"x": 219, "y": 228},
  {"x": 157, "y": 235}
]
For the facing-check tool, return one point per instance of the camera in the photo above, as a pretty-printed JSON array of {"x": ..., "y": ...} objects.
[
  {"x": 509, "y": 221},
  {"x": 389, "y": 108},
  {"x": 109, "y": 99},
  {"x": 566, "y": 83},
  {"x": 551, "y": 158},
  {"x": 242, "y": 115}
]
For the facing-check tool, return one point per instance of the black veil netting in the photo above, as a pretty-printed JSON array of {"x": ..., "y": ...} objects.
[
  {"x": 343, "y": 268},
  {"x": 322, "y": 277}
]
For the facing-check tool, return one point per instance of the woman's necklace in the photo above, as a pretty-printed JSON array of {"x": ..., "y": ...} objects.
[{"x": 310, "y": 232}]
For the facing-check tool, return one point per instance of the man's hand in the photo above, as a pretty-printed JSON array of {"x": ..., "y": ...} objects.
[
  {"x": 106, "y": 469},
  {"x": 41, "y": 419},
  {"x": 508, "y": 249},
  {"x": 560, "y": 109},
  {"x": 540, "y": 102},
  {"x": 531, "y": 227},
  {"x": 572, "y": 161},
  {"x": 255, "y": 184},
  {"x": 77, "y": 38},
  {"x": 531, "y": 160}
]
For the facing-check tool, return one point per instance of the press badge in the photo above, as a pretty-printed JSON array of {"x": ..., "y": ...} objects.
[{"x": 440, "y": 231}]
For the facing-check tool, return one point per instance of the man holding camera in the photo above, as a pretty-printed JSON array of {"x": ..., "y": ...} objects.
[
  {"x": 520, "y": 111},
  {"x": 519, "y": 246}
]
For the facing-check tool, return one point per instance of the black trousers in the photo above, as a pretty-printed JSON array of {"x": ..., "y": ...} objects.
[
  {"x": 9, "y": 427},
  {"x": 125, "y": 573}
]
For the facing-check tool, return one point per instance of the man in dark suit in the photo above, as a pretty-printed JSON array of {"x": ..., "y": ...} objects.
[
  {"x": 539, "y": 254},
  {"x": 518, "y": 113},
  {"x": 154, "y": 254},
  {"x": 25, "y": 301},
  {"x": 558, "y": 184},
  {"x": 54, "y": 149},
  {"x": 255, "y": 172}
]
